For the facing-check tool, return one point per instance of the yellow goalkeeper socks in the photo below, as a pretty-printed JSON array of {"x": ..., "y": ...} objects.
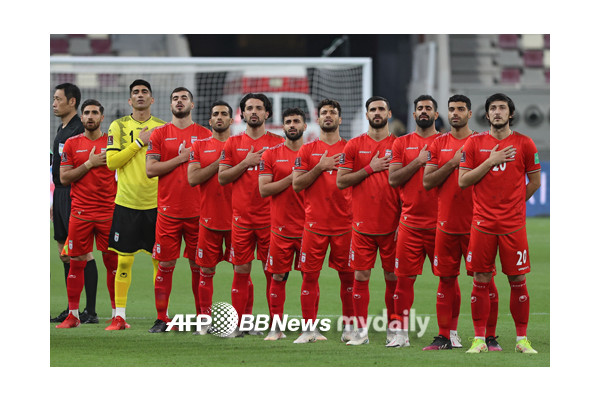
[{"x": 123, "y": 280}]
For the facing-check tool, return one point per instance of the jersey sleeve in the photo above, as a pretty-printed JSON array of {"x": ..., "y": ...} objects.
[
  {"x": 532, "y": 158},
  {"x": 397, "y": 151},
  {"x": 301, "y": 163},
  {"x": 66, "y": 159},
  {"x": 348, "y": 156},
  {"x": 155, "y": 143},
  {"x": 266, "y": 164},
  {"x": 117, "y": 152},
  {"x": 434, "y": 153},
  {"x": 467, "y": 159},
  {"x": 226, "y": 154},
  {"x": 195, "y": 153}
]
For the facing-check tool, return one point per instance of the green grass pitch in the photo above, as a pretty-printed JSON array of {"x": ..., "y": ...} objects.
[{"x": 91, "y": 345}]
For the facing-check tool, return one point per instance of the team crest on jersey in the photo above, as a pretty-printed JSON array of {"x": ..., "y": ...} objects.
[
  {"x": 469, "y": 256},
  {"x": 200, "y": 253},
  {"x": 435, "y": 261},
  {"x": 158, "y": 248},
  {"x": 222, "y": 155},
  {"x": 191, "y": 156},
  {"x": 149, "y": 144},
  {"x": 70, "y": 245},
  {"x": 194, "y": 138},
  {"x": 261, "y": 165},
  {"x": 64, "y": 157},
  {"x": 388, "y": 153},
  {"x": 116, "y": 236},
  {"x": 428, "y": 155},
  {"x": 297, "y": 162},
  {"x": 343, "y": 158},
  {"x": 463, "y": 157},
  {"x": 110, "y": 140}
]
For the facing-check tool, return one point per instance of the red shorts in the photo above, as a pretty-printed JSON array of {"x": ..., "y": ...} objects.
[
  {"x": 449, "y": 249},
  {"x": 281, "y": 254},
  {"x": 412, "y": 245},
  {"x": 169, "y": 232},
  {"x": 314, "y": 249},
  {"x": 82, "y": 234},
  {"x": 513, "y": 249},
  {"x": 209, "y": 250},
  {"x": 363, "y": 251},
  {"x": 243, "y": 242}
]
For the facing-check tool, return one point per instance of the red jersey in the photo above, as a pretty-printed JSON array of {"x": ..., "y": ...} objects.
[
  {"x": 328, "y": 210},
  {"x": 250, "y": 210},
  {"x": 499, "y": 197},
  {"x": 287, "y": 207},
  {"x": 215, "y": 199},
  {"x": 419, "y": 206},
  {"x": 176, "y": 198},
  {"x": 92, "y": 196},
  {"x": 375, "y": 204},
  {"x": 455, "y": 205}
]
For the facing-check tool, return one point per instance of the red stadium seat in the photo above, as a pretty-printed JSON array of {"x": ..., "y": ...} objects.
[
  {"x": 546, "y": 41},
  {"x": 508, "y": 41},
  {"x": 59, "y": 46},
  {"x": 533, "y": 58},
  {"x": 101, "y": 46},
  {"x": 510, "y": 75}
]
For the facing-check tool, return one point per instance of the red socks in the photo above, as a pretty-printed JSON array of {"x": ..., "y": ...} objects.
[
  {"x": 445, "y": 305},
  {"x": 195, "y": 284},
  {"x": 162, "y": 290},
  {"x": 480, "y": 306},
  {"x": 309, "y": 293},
  {"x": 360, "y": 301},
  {"x": 519, "y": 306},
  {"x": 390, "y": 288},
  {"x": 205, "y": 292},
  {"x": 346, "y": 286},
  {"x": 111, "y": 261},
  {"x": 239, "y": 292},
  {"x": 403, "y": 301},
  {"x": 277, "y": 296},
  {"x": 75, "y": 282},
  {"x": 490, "y": 329}
]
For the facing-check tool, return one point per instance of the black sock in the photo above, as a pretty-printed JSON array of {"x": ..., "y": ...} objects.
[
  {"x": 67, "y": 266},
  {"x": 91, "y": 286}
]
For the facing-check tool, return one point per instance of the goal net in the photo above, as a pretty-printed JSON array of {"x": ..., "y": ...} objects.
[{"x": 288, "y": 82}]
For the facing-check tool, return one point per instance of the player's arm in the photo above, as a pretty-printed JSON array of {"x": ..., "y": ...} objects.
[
  {"x": 303, "y": 179},
  {"x": 156, "y": 167},
  {"x": 198, "y": 175},
  {"x": 228, "y": 174},
  {"x": 267, "y": 187},
  {"x": 117, "y": 157},
  {"x": 346, "y": 178},
  {"x": 533, "y": 185},
  {"x": 400, "y": 174},
  {"x": 434, "y": 176},
  {"x": 69, "y": 174},
  {"x": 468, "y": 177}
]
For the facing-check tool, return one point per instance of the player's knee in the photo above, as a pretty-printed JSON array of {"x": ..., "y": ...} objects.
[{"x": 243, "y": 268}]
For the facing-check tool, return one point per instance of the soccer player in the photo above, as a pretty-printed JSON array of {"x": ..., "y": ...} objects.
[
  {"x": 214, "y": 202},
  {"x": 328, "y": 219},
  {"x": 455, "y": 212},
  {"x": 375, "y": 211},
  {"x": 134, "y": 218},
  {"x": 251, "y": 217},
  {"x": 67, "y": 97},
  {"x": 287, "y": 210},
  {"x": 416, "y": 230},
  {"x": 167, "y": 156},
  {"x": 93, "y": 189},
  {"x": 496, "y": 164}
]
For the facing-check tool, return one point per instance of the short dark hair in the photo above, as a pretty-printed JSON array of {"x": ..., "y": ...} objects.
[
  {"x": 139, "y": 82},
  {"x": 329, "y": 102},
  {"x": 377, "y": 98},
  {"x": 258, "y": 96},
  {"x": 460, "y": 98},
  {"x": 92, "y": 102},
  {"x": 221, "y": 103},
  {"x": 294, "y": 111},
  {"x": 500, "y": 97},
  {"x": 71, "y": 92},
  {"x": 181, "y": 89},
  {"x": 425, "y": 97}
]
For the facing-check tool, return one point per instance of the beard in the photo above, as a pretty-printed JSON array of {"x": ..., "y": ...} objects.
[
  {"x": 255, "y": 124},
  {"x": 181, "y": 113},
  {"x": 293, "y": 136},
  {"x": 378, "y": 125},
  {"x": 500, "y": 125},
  {"x": 458, "y": 125},
  {"x": 92, "y": 126},
  {"x": 424, "y": 123}
]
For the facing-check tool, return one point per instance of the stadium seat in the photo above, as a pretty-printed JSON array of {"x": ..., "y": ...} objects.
[
  {"x": 546, "y": 41},
  {"x": 510, "y": 75},
  {"x": 508, "y": 41},
  {"x": 533, "y": 58},
  {"x": 509, "y": 58},
  {"x": 529, "y": 42},
  {"x": 101, "y": 46},
  {"x": 59, "y": 46},
  {"x": 533, "y": 76},
  {"x": 79, "y": 46},
  {"x": 546, "y": 58},
  {"x": 547, "y": 75}
]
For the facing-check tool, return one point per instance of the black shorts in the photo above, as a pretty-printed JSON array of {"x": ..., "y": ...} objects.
[
  {"x": 61, "y": 212},
  {"x": 132, "y": 230}
]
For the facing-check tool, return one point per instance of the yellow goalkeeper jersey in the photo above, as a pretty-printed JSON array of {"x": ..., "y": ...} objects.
[{"x": 126, "y": 154}]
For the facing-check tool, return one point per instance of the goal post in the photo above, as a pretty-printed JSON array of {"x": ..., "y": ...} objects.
[{"x": 288, "y": 82}]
